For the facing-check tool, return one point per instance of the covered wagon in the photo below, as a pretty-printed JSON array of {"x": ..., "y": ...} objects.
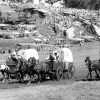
[
  {"x": 60, "y": 62},
  {"x": 26, "y": 54},
  {"x": 64, "y": 64}
]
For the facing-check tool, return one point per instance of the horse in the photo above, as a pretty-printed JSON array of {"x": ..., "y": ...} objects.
[
  {"x": 92, "y": 66},
  {"x": 27, "y": 67},
  {"x": 21, "y": 68},
  {"x": 30, "y": 69},
  {"x": 43, "y": 68},
  {"x": 4, "y": 69},
  {"x": 13, "y": 69}
]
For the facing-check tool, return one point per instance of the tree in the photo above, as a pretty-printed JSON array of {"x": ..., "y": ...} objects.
[{"x": 84, "y": 4}]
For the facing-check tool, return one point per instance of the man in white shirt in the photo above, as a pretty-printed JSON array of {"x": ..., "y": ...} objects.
[{"x": 67, "y": 56}]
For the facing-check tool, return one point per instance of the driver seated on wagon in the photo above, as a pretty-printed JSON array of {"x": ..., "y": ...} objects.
[
  {"x": 13, "y": 57},
  {"x": 64, "y": 54},
  {"x": 53, "y": 57},
  {"x": 56, "y": 56}
]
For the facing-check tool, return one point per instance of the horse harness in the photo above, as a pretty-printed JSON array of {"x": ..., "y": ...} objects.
[{"x": 21, "y": 63}]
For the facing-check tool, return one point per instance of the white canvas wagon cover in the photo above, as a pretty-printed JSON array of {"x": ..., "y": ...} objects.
[
  {"x": 65, "y": 55},
  {"x": 26, "y": 54}
]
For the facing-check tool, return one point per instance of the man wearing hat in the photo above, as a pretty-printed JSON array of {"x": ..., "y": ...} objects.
[
  {"x": 51, "y": 58},
  {"x": 56, "y": 56},
  {"x": 68, "y": 56},
  {"x": 13, "y": 56}
]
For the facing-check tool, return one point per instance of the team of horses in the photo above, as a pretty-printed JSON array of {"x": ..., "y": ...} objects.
[{"x": 30, "y": 67}]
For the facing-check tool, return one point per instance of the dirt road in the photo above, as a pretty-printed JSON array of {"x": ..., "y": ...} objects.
[
  {"x": 75, "y": 91},
  {"x": 59, "y": 90}
]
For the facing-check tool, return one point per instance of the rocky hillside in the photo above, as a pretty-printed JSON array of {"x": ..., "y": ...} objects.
[{"x": 56, "y": 18}]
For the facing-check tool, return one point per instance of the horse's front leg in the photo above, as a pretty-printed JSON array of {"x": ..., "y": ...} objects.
[
  {"x": 8, "y": 75},
  {"x": 4, "y": 77},
  {"x": 87, "y": 76},
  {"x": 20, "y": 76},
  {"x": 97, "y": 75},
  {"x": 30, "y": 80},
  {"x": 39, "y": 77},
  {"x": 90, "y": 73}
]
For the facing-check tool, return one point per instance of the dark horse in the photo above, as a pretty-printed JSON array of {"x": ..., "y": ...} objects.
[
  {"x": 36, "y": 68},
  {"x": 44, "y": 69},
  {"x": 92, "y": 66},
  {"x": 16, "y": 68},
  {"x": 30, "y": 69},
  {"x": 21, "y": 68}
]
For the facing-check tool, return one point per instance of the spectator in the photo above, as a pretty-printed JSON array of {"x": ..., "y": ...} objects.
[
  {"x": 9, "y": 51},
  {"x": 3, "y": 52}
]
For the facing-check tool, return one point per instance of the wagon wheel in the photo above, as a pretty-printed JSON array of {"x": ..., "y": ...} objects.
[
  {"x": 59, "y": 74},
  {"x": 71, "y": 71}
]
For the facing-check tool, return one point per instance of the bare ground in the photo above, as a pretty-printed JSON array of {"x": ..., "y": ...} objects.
[
  {"x": 66, "y": 89},
  {"x": 76, "y": 91}
]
